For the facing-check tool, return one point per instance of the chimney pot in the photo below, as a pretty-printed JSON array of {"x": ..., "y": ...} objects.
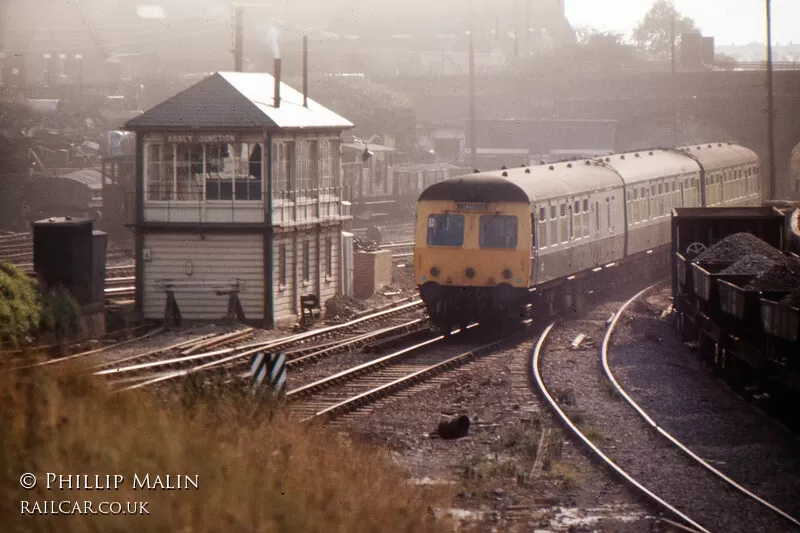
[{"x": 277, "y": 75}]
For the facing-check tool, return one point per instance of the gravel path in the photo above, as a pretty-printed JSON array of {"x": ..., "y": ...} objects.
[{"x": 577, "y": 379}]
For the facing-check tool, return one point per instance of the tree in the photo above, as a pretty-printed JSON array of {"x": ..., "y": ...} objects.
[
  {"x": 373, "y": 108},
  {"x": 594, "y": 50},
  {"x": 655, "y": 32}
]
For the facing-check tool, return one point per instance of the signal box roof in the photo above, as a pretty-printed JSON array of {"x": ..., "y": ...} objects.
[{"x": 237, "y": 100}]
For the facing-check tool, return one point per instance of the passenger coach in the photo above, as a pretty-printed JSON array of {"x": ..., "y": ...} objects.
[{"x": 489, "y": 244}]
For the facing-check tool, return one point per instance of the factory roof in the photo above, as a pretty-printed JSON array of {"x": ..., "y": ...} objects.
[{"x": 237, "y": 100}]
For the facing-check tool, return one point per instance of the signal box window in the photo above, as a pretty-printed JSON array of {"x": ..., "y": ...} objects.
[
  {"x": 498, "y": 231},
  {"x": 445, "y": 230}
]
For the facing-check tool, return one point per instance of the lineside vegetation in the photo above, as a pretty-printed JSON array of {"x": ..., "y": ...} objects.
[{"x": 257, "y": 471}]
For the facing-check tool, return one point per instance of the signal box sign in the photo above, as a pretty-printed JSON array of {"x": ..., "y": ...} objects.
[{"x": 471, "y": 206}]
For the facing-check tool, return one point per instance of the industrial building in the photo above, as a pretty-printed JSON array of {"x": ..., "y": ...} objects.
[{"x": 238, "y": 195}]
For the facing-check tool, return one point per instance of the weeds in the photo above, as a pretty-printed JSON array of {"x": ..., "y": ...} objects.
[
  {"x": 593, "y": 434},
  {"x": 526, "y": 441},
  {"x": 610, "y": 390},
  {"x": 258, "y": 471},
  {"x": 570, "y": 477}
]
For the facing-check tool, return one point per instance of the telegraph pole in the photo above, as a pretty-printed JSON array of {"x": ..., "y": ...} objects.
[
  {"x": 674, "y": 81},
  {"x": 773, "y": 185},
  {"x": 472, "y": 149}
]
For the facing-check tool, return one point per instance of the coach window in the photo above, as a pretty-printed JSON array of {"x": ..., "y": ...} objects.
[
  {"x": 538, "y": 233},
  {"x": 542, "y": 227},
  {"x": 553, "y": 226},
  {"x": 498, "y": 231},
  {"x": 576, "y": 218},
  {"x": 586, "y": 221},
  {"x": 563, "y": 223},
  {"x": 445, "y": 230}
]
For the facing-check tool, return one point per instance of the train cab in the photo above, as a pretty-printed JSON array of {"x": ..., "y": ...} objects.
[{"x": 472, "y": 244}]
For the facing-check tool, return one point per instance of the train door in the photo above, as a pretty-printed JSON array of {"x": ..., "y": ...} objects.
[{"x": 537, "y": 226}]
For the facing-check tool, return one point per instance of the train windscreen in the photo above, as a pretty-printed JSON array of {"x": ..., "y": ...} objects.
[
  {"x": 498, "y": 231},
  {"x": 445, "y": 230}
]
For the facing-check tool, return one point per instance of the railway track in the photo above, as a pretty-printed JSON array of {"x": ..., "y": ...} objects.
[
  {"x": 351, "y": 389},
  {"x": 109, "y": 338},
  {"x": 302, "y": 347},
  {"x": 673, "y": 478}
]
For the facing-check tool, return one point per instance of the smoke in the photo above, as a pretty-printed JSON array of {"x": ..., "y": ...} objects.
[{"x": 273, "y": 36}]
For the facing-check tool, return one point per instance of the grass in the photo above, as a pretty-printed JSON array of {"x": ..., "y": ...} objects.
[
  {"x": 609, "y": 389},
  {"x": 258, "y": 471},
  {"x": 524, "y": 440},
  {"x": 489, "y": 469},
  {"x": 571, "y": 478},
  {"x": 593, "y": 434}
]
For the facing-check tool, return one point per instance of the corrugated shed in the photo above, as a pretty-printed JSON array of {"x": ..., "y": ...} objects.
[
  {"x": 208, "y": 259},
  {"x": 237, "y": 100}
]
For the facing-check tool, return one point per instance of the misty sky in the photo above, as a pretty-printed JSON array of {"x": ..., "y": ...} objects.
[{"x": 728, "y": 21}]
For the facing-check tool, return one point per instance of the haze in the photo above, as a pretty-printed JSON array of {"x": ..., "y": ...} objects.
[{"x": 728, "y": 21}]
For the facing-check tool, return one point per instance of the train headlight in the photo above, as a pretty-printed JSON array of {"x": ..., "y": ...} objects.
[
  {"x": 469, "y": 272},
  {"x": 435, "y": 271},
  {"x": 507, "y": 273}
]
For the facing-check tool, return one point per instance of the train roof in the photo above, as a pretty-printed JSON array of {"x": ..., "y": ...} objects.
[
  {"x": 720, "y": 154},
  {"x": 645, "y": 165},
  {"x": 528, "y": 184},
  {"x": 574, "y": 178},
  {"x": 476, "y": 188}
]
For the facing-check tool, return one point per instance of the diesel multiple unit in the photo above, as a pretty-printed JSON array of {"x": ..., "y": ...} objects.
[{"x": 493, "y": 243}]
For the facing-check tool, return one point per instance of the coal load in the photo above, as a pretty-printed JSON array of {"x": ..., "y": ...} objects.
[
  {"x": 782, "y": 276},
  {"x": 736, "y": 246},
  {"x": 752, "y": 264}
]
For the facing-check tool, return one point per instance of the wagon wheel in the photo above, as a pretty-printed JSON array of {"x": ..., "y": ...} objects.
[{"x": 696, "y": 248}]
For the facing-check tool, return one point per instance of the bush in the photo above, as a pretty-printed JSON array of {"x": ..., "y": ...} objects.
[
  {"x": 19, "y": 305},
  {"x": 60, "y": 313},
  {"x": 256, "y": 472}
]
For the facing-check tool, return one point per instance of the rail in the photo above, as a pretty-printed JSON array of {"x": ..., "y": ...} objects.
[
  {"x": 230, "y": 355},
  {"x": 702, "y": 462},
  {"x": 537, "y": 378}
]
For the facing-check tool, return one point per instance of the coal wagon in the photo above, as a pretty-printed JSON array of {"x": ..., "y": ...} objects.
[{"x": 736, "y": 297}]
